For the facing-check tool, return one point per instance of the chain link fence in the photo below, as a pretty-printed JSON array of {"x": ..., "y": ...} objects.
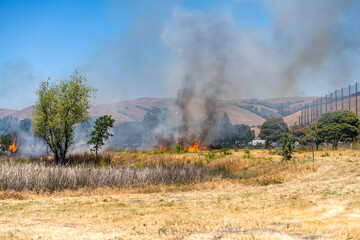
[{"x": 344, "y": 98}]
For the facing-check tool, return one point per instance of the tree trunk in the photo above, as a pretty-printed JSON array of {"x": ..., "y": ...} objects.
[
  {"x": 56, "y": 158},
  {"x": 335, "y": 144},
  {"x": 312, "y": 149},
  {"x": 62, "y": 158}
]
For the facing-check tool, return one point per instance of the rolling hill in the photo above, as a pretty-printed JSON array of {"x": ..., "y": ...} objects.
[{"x": 252, "y": 112}]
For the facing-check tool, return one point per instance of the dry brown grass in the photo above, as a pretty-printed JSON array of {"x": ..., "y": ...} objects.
[{"x": 308, "y": 204}]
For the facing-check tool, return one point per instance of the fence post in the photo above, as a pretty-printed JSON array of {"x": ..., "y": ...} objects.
[
  {"x": 313, "y": 112},
  {"x": 356, "y": 98},
  {"x": 302, "y": 116},
  {"x": 331, "y": 102},
  {"x": 317, "y": 109},
  {"x": 335, "y": 100},
  {"x": 321, "y": 106},
  {"x": 326, "y": 103},
  {"x": 350, "y": 97}
]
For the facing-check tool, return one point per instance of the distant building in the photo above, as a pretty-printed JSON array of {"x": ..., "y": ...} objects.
[{"x": 257, "y": 142}]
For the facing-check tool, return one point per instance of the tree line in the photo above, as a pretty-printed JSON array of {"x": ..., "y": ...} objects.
[
  {"x": 61, "y": 115},
  {"x": 331, "y": 128}
]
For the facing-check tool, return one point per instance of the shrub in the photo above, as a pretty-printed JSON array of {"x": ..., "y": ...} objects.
[{"x": 209, "y": 157}]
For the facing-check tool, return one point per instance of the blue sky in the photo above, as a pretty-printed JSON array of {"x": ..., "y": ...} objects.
[
  {"x": 40, "y": 39},
  {"x": 54, "y": 35}
]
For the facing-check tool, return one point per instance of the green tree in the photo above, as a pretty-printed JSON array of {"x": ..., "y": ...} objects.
[
  {"x": 287, "y": 145},
  {"x": 225, "y": 132},
  {"x": 101, "y": 132},
  {"x": 311, "y": 138},
  {"x": 5, "y": 143},
  {"x": 272, "y": 129},
  {"x": 58, "y": 109},
  {"x": 298, "y": 133},
  {"x": 241, "y": 134},
  {"x": 25, "y": 125},
  {"x": 337, "y": 126}
]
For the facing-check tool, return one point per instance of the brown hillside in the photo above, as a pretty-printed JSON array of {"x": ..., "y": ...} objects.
[{"x": 252, "y": 112}]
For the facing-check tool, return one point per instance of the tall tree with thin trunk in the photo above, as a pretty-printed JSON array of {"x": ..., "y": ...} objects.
[
  {"x": 58, "y": 109},
  {"x": 101, "y": 132}
]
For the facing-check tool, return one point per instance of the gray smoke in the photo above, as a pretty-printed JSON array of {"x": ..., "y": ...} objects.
[
  {"x": 310, "y": 38},
  {"x": 212, "y": 59},
  {"x": 202, "y": 51},
  {"x": 18, "y": 83}
]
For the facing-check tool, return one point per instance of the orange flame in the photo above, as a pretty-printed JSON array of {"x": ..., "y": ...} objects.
[
  {"x": 12, "y": 147},
  {"x": 160, "y": 149},
  {"x": 194, "y": 148},
  {"x": 205, "y": 149}
]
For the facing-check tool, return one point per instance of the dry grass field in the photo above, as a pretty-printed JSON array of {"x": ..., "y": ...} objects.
[{"x": 262, "y": 198}]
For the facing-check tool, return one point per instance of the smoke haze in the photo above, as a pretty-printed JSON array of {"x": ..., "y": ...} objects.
[
  {"x": 212, "y": 59},
  {"x": 304, "y": 47},
  {"x": 201, "y": 57}
]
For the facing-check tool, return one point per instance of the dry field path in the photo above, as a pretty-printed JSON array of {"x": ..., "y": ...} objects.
[{"x": 320, "y": 205}]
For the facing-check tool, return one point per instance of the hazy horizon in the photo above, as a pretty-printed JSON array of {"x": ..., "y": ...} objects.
[{"x": 233, "y": 49}]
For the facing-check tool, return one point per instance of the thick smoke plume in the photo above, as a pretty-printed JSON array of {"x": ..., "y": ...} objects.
[
  {"x": 204, "y": 65},
  {"x": 202, "y": 58},
  {"x": 213, "y": 59}
]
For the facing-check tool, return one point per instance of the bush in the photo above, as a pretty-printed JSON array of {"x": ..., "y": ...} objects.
[
  {"x": 225, "y": 151},
  {"x": 326, "y": 154},
  {"x": 247, "y": 153},
  {"x": 209, "y": 157},
  {"x": 287, "y": 146}
]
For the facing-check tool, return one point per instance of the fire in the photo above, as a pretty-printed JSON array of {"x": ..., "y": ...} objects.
[
  {"x": 194, "y": 148},
  {"x": 160, "y": 149},
  {"x": 12, "y": 147}
]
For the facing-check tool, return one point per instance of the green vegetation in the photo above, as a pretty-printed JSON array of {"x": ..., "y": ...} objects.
[
  {"x": 101, "y": 132},
  {"x": 337, "y": 126},
  {"x": 271, "y": 130},
  {"x": 58, "y": 109},
  {"x": 287, "y": 145},
  {"x": 223, "y": 134},
  {"x": 5, "y": 143}
]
